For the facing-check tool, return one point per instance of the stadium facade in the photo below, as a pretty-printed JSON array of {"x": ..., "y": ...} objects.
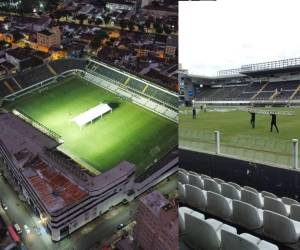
[
  {"x": 274, "y": 82},
  {"x": 59, "y": 190}
]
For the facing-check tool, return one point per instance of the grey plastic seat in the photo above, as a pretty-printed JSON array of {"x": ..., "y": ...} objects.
[
  {"x": 183, "y": 170},
  {"x": 211, "y": 185},
  {"x": 230, "y": 191},
  {"x": 277, "y": 206},
  {"x": 204, "y": 234},
  {"x": 251, "y": 189},
  {"x": 268, "y": 194},
  {"x": 252, "y": 198},
  {"x": 195, "y": 180},
  {"x": 182, "y": 177},
  {"x": 231, "y": 241},
  {"x": 219, "y": 205},
  {"x": 246, "y": 215},
  {"x": 195, "y": 197},
  {"x": 295, "y": 212},
  {"x": 218, "y": 180},
  {"x": 181, "y": 192},
  {"x": 289, "y": 201},
  {"x": 181, "y": 217},
  {"x": 237, "y": 186},
  {"x": 281, "y": 228},
  {"x": 205, "y": 176}
]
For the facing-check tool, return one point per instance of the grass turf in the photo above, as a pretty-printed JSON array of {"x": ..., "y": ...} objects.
[
  {"x": 128, "y": 133},
  {"x": 237, "y": 136}
]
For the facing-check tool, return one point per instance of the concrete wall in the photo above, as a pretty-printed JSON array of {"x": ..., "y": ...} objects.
[{"x": 282, "y": 182}]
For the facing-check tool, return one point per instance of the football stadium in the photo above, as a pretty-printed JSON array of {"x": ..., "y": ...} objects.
[
  {"x": 80, "y": 136},
  {"x": 239, "y": 158}
]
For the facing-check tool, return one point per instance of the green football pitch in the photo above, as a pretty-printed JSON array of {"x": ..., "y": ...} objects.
[
  {"x": 129, "y": 133},
  {"x": 238, "y": 138}
]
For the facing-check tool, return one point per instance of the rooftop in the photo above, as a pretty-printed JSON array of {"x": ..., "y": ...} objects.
[
  {"x": 53, "y": 188},
  {"x": 155, "y": 201},
  {"x": 45, "y": 32}
]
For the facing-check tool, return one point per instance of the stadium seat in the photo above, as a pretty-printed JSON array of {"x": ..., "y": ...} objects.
[
  {"x": 219, "y": 205},
  {"x": 204, "y": 234},
  {"x": 237, "y": 186},
  {"x": 281, "y": 228},
  {"x": 181, "y": 217},
  {"x": 268, "y": 194},
  {"x": 205, "y": 176},
  {"x": 230, "y": 191},
  {"x": 289, "y": 201},
  {"x": 183, "y": 170},
  {"x": 182, "y": 177},
  {"x": 211, "y": 185},
  {"x": 247, "y": 215},
  {"x": 231, "y": 241},
  {"x": 192, "y": 172},
  {"x": 295, "y": 212},
  {"x": 181, "y": 192},
  {"x": 251, "y": 189},
  {"x": 277, "y": 206},
  {"x": 218, "y": 180},
  {"x": 195, "y": 180},
  {"x": 252, "y": 198},
  {"x": 195, "y": 197}
]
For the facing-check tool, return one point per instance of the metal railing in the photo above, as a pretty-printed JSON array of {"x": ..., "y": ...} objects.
[{"x": 276, "y": 152}]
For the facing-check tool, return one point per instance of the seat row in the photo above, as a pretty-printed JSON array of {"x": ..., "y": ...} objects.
[
  {"x": 262, "y": 200},
  {"x": 244, "y": 211},
  {"x": 202, "y": 234}
]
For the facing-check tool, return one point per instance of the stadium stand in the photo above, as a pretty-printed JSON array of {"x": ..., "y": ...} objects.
[
  {"x": 259, "y": 212},
  {"x": 135, "y": 84},
  {"x": 110, "y": 74},
  {"x": 30, "y": 77},
  {"x": 127, "y": 80},
  {"x": 61, "y": 66},
  {"x": 7, "y": 86},
  {"x": 282, "y": 90}
]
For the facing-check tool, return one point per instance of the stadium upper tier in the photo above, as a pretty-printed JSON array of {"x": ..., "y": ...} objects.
[
  {"x": 283, "y": 90},
  {"x": 28, "y": 78},
  {"x": 134, "y": 83}
]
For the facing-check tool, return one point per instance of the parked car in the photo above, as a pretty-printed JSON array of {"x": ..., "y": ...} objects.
[
  {"x": 17, "y": 228},
  {"x": 120, "y": 226}
]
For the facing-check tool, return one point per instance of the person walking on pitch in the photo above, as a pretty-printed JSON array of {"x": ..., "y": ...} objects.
[
  {"x": 252, "y": 121},
  {"x": 274, "y": 123},
  {"x": 194, "y": 113}
]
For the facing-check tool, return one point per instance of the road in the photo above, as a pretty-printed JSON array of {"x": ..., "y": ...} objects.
[{"x": 98, "y": 230}]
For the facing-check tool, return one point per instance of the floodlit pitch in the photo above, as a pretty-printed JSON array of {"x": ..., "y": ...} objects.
[
  {"x": 238, "y": 138},
  {"x": 130, "y": 132}
]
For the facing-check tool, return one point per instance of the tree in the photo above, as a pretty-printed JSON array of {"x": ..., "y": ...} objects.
[
  {"x": 124, "y": 24},
  {"x": 131, "y": 25},
  {"x": 27, "y": 6},
  {"x": 148, "y": 24},
  {"x": 51, "y": 5},
  {"x": 106, "y": 19},
  {"x": 81, "y": 18},
  {"x": 100, "y": 35},
  {"x": 98, "y": 21},
  {"x": 17, "y": 36},
  {"x": 142, "y": 27},
  {"x": 158, "y": 28},
  {"x": 167, "y": 29}
]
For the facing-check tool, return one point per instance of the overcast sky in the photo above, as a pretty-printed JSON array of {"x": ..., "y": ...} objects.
[{"x": 228, "y": 33}]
